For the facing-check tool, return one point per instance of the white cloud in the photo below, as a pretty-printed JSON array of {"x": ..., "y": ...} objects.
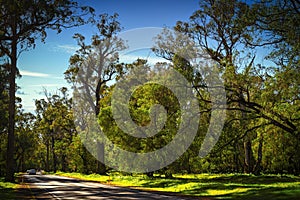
[
  {"x": 67, "y": 48},
  {"x": 151, "y": 59},
  {"x": 39, "y": 75},
  {"x": 33, "y": 74}
]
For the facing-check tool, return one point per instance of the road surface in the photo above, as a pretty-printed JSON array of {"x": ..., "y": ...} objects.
[{"x": 57, "y": 187}]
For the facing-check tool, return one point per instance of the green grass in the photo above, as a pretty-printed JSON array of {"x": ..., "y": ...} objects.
[
  {"x": 91, "y": 177},
  {"x": 224, "y": 186},
  {"x": 7, "y": 190}
]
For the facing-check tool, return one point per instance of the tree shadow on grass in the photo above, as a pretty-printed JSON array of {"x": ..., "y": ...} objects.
[
  {"x": 234, "y": 179},
  {"x": 291, "y": 193},
  {"x": 246, "y": 192},
  {"x": 16, "y": 192},
  {"x": 235, "y": 186},
  {"x": 7, "y": 193},
  {"x": 251, "y": 179}
]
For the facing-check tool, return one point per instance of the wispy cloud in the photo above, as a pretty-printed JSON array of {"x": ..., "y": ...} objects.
[
  {"x": 39, "y": 75},
  {"x": 48, "y": 85},
  {"x": 33, "y": 74},
  {"x": 67, "y": 48}
]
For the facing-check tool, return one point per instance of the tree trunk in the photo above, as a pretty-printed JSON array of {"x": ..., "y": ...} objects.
[
  {"x": 22, "y": 163},
  {"x": 63, "y": 163},
  {"x": 297, "y": 159},
  {"x": 150, "y": 174},
  {"x": 168, "y": 174},
  {"x": 249, "y": 159},
  {"x": 53, "y": 155},
  {"x": 257, "y": 167},
  {"x": 10, "y": 166},
  {"x": 84, "y": 159},
  {"x": 47, "y": 155},
  {"x": 101, "y": 169}
]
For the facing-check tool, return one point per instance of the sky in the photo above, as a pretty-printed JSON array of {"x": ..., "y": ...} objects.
[{"x": 42, "y": 68}]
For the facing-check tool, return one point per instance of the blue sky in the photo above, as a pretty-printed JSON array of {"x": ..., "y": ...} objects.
[{"x": 43, "y": 67}]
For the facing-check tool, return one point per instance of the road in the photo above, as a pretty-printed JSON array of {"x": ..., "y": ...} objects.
[{"x": 57, "y": 187}]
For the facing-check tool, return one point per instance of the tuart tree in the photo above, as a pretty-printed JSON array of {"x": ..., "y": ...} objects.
[
  {"x": 21, "y": 24},
  {"x": 95, "y": 65},
  {"x": 231, "y": 33}
]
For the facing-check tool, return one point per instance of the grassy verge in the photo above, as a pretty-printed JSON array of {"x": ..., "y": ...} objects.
[
  {"x": 7, "y": 190},
  {"x": 225, "y": 186}
]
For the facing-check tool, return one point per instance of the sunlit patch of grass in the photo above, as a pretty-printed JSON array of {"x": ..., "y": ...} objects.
[
  {"x": 223, "y": 186},
  {"x": 8, "y": 185},
  {"x": 214, "y": 192},
  {"x": 90, "y": 177}
]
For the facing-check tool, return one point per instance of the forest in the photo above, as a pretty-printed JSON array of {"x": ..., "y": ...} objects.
[{"x": 255, "y": 45}]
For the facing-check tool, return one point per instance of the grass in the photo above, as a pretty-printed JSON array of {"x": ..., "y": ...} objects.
[
  {"x": 7, "y": 190},
  {"x": 219, "y": 186}
]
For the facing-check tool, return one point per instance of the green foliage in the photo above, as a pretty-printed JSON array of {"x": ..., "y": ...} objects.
[
  {"x": 55, "y": 129},
  {"x": 4, "y": 100},
  {"x": 32, "y": 18},
  {"x": 259, "y": 98},
  {"x": 26, "y": 141},
  {"x": 21, "y": 24}
]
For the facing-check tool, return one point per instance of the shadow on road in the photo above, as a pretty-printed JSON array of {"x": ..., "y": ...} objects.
[{"x": 53, "y": 187}]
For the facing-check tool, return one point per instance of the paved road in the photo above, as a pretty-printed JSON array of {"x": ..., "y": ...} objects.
[{"x": 56, "y": 187}]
